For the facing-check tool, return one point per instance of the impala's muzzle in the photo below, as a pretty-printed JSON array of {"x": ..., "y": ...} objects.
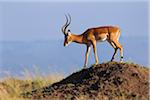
[{"x": 65, "y": 43}]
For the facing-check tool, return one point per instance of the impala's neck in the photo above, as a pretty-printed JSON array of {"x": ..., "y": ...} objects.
[{"x": 77, "y": 38}]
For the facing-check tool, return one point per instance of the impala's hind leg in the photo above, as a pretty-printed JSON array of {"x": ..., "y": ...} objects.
[
  {"x": 115, "y": 48},
  {"x": 118, "y": 45}
]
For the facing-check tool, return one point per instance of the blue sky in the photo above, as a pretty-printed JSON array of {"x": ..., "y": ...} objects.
[
  {"x": 41, "y": 20},
  {"x": 31, "y": 20}
]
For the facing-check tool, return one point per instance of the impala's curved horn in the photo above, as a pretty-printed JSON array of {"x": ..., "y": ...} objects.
[
  {"x": 63, "y": 28},
  {"x": 69, "y": 20}
]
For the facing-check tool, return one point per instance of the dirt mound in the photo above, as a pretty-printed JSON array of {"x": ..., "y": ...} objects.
[{"x": 107, "y": 81}]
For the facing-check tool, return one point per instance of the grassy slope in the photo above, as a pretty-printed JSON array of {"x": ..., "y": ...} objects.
[
  {"x": 11, "y": 88},
  {"x": 112, "y": 80},
  {"x": 117, "y": 81}
]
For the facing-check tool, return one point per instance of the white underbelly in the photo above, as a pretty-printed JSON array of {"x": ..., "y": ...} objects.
[{"x": 102, "y": 39}]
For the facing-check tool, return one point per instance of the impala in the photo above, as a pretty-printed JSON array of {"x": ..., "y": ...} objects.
[{"x": 91, "y": 36}]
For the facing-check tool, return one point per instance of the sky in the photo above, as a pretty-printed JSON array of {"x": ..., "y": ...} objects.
[{"x": 42, "y": 20}]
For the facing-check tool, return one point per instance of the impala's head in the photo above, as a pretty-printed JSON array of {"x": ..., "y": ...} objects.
[{"x": 67, "y": 32}]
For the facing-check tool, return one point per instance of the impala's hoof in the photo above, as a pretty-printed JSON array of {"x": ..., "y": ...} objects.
[
  {"x": 112, "y": 59},
  {"x": 85, "y": 66},
  {"x": 121, "y": 60},
  {"x": 95, "y": 65}
]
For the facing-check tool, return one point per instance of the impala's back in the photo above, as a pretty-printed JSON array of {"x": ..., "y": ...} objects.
[{"x": 102, "y": 33}]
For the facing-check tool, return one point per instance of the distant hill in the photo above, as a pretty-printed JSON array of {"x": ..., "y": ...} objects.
[{"x": 106, "y": 81}]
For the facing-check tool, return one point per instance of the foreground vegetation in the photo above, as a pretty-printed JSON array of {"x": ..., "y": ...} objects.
[
  {"x": 107, "y": 81},
  {"x": 11, "y": 88}
]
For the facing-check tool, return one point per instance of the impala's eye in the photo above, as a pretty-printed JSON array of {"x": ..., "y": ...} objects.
[{"x": 69, "y": 31}]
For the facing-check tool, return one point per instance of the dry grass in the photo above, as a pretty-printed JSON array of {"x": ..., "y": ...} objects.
[{"x": 11, "y": 88}]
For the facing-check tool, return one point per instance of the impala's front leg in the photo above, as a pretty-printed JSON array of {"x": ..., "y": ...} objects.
[
  {"x": 87, "y": 55},
  {"x": 95, "y": 52}
]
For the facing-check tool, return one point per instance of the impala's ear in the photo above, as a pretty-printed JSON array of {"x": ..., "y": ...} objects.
[{"x": 69, "y": 32}]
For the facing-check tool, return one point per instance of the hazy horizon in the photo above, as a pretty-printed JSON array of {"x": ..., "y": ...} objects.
[{"x": 30, "y": 33}]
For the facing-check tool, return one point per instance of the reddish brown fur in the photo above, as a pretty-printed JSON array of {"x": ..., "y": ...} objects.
[
  {"x": 97, "y": 34},
  {"x": 92, "y": 35}
]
